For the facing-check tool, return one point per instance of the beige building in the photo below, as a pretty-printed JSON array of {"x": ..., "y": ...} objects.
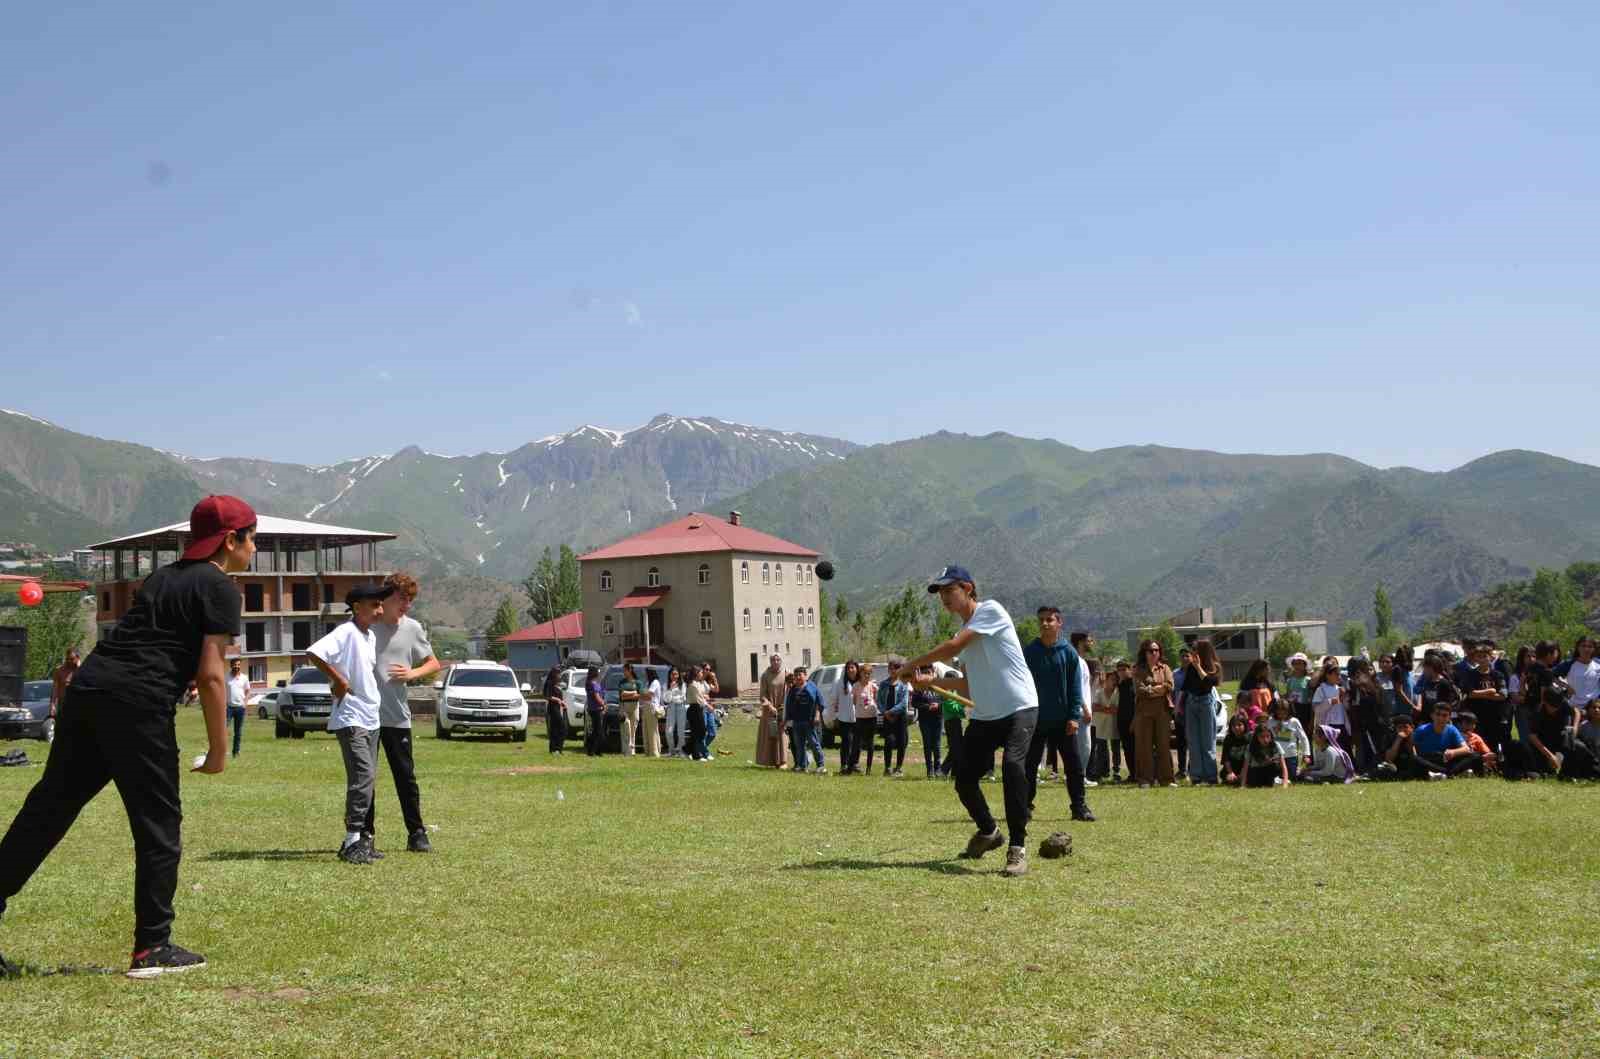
[{"x": 704, "y": 588}]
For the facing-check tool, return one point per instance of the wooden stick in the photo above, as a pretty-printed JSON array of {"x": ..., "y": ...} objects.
[{"x": 954, "y": 696}]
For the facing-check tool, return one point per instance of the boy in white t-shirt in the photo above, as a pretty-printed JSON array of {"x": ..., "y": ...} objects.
[
  {"x": 348, "y": 657},
  {"x": 1005, "y": 711}
]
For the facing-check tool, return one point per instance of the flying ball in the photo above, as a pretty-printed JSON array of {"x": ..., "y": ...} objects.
[
  {"x": 825, "y": 570},
  {"x": 30, "y": 594}
]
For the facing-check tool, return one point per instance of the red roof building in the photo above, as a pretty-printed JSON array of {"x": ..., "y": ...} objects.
[
  {"x": 696, "y": 533},
  {"x": 567, "y": 628}
]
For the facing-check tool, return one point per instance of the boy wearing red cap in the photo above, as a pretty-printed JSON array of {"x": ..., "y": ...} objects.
[{"x": 115, "y": 724}]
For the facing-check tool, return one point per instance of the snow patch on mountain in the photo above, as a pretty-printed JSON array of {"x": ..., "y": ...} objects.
[{"x": 504, "y": 477}]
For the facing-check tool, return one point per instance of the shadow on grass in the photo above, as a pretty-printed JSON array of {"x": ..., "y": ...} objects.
[
  {"x": 946, "y": 866},
  {"x": 269, "y": 854}
]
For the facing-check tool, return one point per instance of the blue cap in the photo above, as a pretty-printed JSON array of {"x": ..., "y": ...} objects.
[{"x": 949, "y": 576}]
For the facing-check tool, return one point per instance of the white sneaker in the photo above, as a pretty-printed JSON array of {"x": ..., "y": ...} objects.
[
  {"x": 1090, "y": 783},
  {"x": 1436, "y": 775},
  {"x": 820, "y": 771}
]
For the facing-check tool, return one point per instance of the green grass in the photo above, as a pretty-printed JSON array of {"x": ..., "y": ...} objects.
[{"x": 665, "y": 908}]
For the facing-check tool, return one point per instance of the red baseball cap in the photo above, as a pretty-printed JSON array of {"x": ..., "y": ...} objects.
[{"x": 212, "y": 520}]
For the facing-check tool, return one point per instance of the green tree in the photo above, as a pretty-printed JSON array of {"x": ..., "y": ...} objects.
[
  {"x": 841, "y": 611},
  {"x": 1382, "y": 613},
  {"x": 1557, "y": 611},
  {"x": 1353, "y": 636},
  {"x": 1286, "y": 643},
  {"x": 1027, "y": 629},
  {"x": 55, "y": 627},
  {"x": 503, "y": 625},
  {"x": 945, "y": 625},
  {"x": 1288, "y": 615},
  {"x": 832, "y": 648},
  {"x": 1163, "y": 634},
  {"x": 555, "y": 587}
]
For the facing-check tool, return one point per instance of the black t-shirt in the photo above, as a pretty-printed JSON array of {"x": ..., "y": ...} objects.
[
  {"x": 149, "y": 658},
  {"x": 1551, "y": 728}
]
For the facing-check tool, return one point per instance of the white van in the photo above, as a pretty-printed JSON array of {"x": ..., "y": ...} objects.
[{"x": 481, "y": 696}]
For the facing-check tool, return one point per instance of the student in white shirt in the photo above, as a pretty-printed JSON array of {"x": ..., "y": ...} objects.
[
  {"x": 651, "y": 710},
  {"x": 348, "y": 657},
  {"x": 238, "y": 691},
  {"x": 1006, "y": 709}
]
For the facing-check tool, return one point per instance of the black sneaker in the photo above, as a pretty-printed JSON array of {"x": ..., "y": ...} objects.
[
  {"x": 372, "y": 846},
  {"x": 164, "y": 959},
  {"x": 980, "y": 843},
  {"x": 9, "y": 969},
  {"x": 357, "y": 852},
  {"x": 1083, "y": 815},
  {"x": 418, "y": 842}
]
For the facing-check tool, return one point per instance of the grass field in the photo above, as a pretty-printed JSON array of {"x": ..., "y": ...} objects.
[{"x": 666, "y": 908}]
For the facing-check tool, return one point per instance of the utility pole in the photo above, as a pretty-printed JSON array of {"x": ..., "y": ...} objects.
[{"x": 1266, "y": 621}]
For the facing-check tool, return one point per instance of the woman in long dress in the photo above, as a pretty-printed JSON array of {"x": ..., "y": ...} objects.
[{"x": 771, "y": 749}]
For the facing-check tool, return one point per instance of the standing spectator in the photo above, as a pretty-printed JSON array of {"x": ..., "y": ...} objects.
[
  {"x": 1291, "y": 738},
  {"x": 1264, "y": 763},
  {"x": 1180, "y": 716},
  {"x": 1297, "y": 686},
  {"x": 708, "y": 674},
  {"x": 675, "y": 697},
  {"x": 953, "y": 714},
  {"x": 1152, "y": 717},
  {"x": 1385, "y": 684},
  {"x": 1539, "y": 676},
  {"x": 864, "y": 697},
  {"x": 802, "y": 712},
  {"x": 894, "y": 707},
  {"x": 1483, "y": 691},
  {"x": 1435, "y": 687},
  {"x": 1583, "y": 673},
  {"x": 1200, "y": 717},
  {"x": 930, "y": 722},
  {"x": 555, "y": 710},
  {"x": 594, "y": 714},
  {"x": 1403, "y": 678},
  {"x": 238, "y": 692},
  {"x": 844, "y": 717},
  {"x": 404, "y": 654},
  {"x": 1369, "y": 723},
  {"x": 651, "y": 711},
  {"x": 1255, "y": 692},
  {"x": 1327, "y": 704},
  {"x": 698, "y": 698},
  {"x": 1127, "y": 703},
  {"x": 1103, "y": 688},
  {"x": 1055, "y": 667},
  {"x": 998, "y": 682},
  {"x": 1443, "y": 748},
  {"x": 774, "y": 690},
  {"x": 1084, "y": 644},
  {"x": 628, "y": 692}
]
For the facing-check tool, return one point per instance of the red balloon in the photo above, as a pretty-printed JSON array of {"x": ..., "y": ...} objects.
[{"x": 30, "y": 594}]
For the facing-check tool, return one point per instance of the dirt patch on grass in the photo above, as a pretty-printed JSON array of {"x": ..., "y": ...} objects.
[
  {"x": 531, "y": 770},
  {"x": 238, "y": 993}
]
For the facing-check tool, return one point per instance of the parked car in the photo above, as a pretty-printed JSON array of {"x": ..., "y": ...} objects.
[
  {"x": 611, "y": 677},
  {"x": 574, "y": 699},
  {"x": 30, "y": 719},
  {"x": 265, "y": 704},
  {"x": 304, "y": 705},
  {"x": 481, "y": 696}
]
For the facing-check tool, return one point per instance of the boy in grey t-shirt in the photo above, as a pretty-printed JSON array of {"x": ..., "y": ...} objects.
[{"x": 404, "y": 654}]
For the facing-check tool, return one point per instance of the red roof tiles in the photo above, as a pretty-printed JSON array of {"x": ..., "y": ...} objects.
[{"x": 697, "y": 532}]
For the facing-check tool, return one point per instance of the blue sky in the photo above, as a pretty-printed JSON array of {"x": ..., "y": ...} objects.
[{"x": 272, "y": 231}]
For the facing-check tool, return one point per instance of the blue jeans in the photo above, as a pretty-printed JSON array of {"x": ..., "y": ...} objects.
[
  {"x": 932, "y": 727},
  {"x": 711, "y": 732},
  {"x": 236, "y": 718},
  {"x": 1200, "y": 725},
  {"x": 801, "y": 736}
]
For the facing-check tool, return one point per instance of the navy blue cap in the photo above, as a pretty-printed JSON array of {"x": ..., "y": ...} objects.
[
  {"x": 949, "y": 576},
  {"x": 361, "y": 593}
]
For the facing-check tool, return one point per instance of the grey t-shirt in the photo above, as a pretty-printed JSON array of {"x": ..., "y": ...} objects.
[{"x": 405, "y": 644}]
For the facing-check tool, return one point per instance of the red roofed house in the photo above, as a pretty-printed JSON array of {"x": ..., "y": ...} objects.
[
  {"x": 704, "y": 588},
  {"x": 546, "y": 644}
]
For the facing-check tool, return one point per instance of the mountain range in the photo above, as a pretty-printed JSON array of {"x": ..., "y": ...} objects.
[{"x": 1116, "y": 536}]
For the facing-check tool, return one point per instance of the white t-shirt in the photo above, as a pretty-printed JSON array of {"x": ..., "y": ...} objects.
[
  {"x": 997, "y": 674},
  {"x": 1585, "y": 681},
  {"x": 354, "y": 655},
  {"x": 652, "y": 695},
  {"x": 238, "y": 691},
  {"x": 1324, "y": 710},
  {"x": 1083, "y": 688}
]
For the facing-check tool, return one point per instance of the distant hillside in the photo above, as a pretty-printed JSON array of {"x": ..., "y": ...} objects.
[{"x": 1501, "y": 609}]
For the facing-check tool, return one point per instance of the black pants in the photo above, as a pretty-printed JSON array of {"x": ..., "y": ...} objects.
[
  {"x": 845, "y": 732},
  {"x": 1054, "y": 738},
  {"x": 236, "y": 720},
  {"x": 866, "y": 734},
  {"x": 1262, "y": 777},
  {"x": 100, "y": 741},
  {"x": 1013, "y": 735},
  {"x": 895, "y": 737},
  {"x": 1125, "y": 734},
  {"x": 1456, "y": 765},
  {"x": 1180, "y": 741},
  {"x": 1494, "y": 722},
  {"x": 697, "y": 731},
  {"x": 932, "y": 728},
  {"x": 396, "y": 743},
  {"x": 953, "y": 740},
  {"x": 555, "y": 723},
  {"x": 594, "y": 733}
]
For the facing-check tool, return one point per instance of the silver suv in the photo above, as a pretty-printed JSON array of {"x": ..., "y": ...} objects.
[{"x": 304, "y": 705}]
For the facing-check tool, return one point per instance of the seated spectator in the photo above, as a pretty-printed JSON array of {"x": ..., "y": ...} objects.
[
  {"x": 1535, "y": 679},
  {"x": 1549, "y": 739},
  {"x": 1329, "y": 762},
  {"x": 1401, "y": 761},
  {"x": 1291, "y": 738},
  {"x": 1443, "y": 748},
  {"x": 1587, "y": 763},
  {"x": 1583, "y": 673},
  {"x": 1467, "y": 721},
  {"x": 1235, "y": 747},
  {"x": 1264, "y": 764}
]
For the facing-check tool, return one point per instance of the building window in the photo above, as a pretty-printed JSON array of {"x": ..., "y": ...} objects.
[
  {"x": 777, "y": 573},
  {"x": 607, "y": 626},
  {"x": 705, "y": 621},
  {"x": 605, "y": 580},
  {"x": 766, "y": 618},
  {"x": 300, "y": 596},
  {"x": 254, "y": 598},
  {"x": 780, "y": 618},
  {"x": 799, "y": 573},
  {"x": 258, "y": 670},
  {"x": 705, "y": 574},
  {"x": 652, "y": 578},
  {"x": 811, "y": 572},
  {"x": 786, "y": 649},
  {"x": 811, "y": 617},
  {"x": 766, "y": 573},
  {"x": 301, "y": 633},
  {"x": 744, "y": 620},
  {"x": 255, "y": 636},
  {"x": 327, "y": 594},
  {"x": 744, "y": 573}
]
